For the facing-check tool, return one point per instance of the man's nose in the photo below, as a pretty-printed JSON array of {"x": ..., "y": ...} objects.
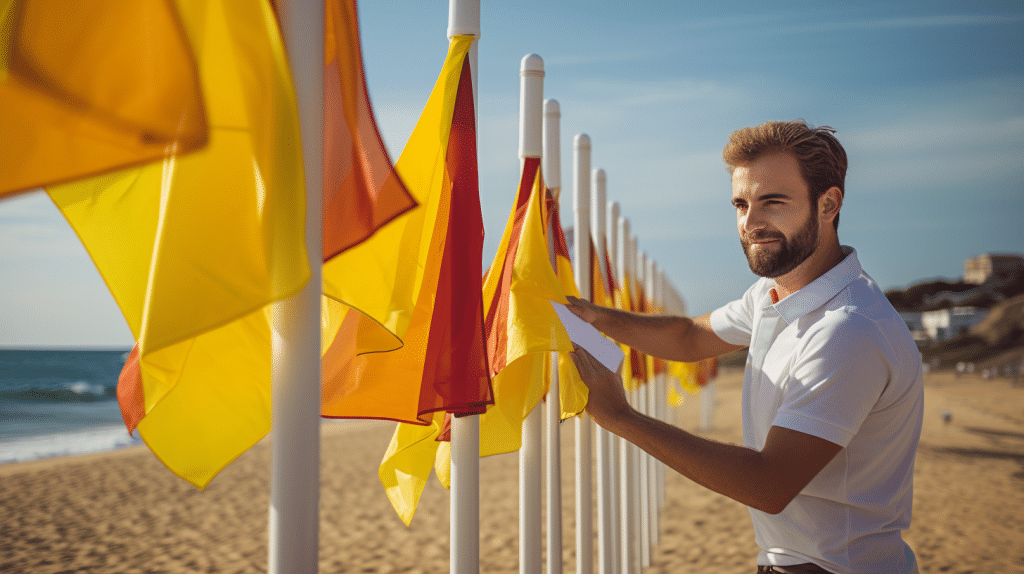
[{"x": 752, "y": 220}]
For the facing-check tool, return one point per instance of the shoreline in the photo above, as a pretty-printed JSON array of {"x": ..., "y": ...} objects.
[
  {"x": 122, "y": 511},
  {"x": 131, "y": 441}
]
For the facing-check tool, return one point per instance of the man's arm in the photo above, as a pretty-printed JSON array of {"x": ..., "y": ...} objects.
[
  {"x": 667, "y": 337},
  {"x": 767, "y": 480}
]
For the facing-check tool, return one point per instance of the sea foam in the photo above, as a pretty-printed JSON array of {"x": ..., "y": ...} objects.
[{"x": 97, "y": 439}]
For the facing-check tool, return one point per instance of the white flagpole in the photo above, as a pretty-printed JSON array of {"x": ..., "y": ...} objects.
[
  {"x": 626, "y": 481},
  {"x": 634, "y": 460},
  {"x": 552, "y": 169},
  {"x": 294, "y": 524},
  {"x": 614, "y": 442},
  {"x": 661, "y": 403},
  {"x": 652, "y": 411},
  {"x": 464, "y": 503},
  {"x": 602, "y": 437},
  {"x": 531, "y": 97},
  {"x": 642, "y": 457},
  {"x": 584, "y": 459}
]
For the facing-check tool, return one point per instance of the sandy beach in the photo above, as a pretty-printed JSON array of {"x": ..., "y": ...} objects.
[{"x": 123, "y": 512}]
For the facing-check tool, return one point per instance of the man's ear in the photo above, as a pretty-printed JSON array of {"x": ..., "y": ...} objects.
[{"x": 829, "y": 204}]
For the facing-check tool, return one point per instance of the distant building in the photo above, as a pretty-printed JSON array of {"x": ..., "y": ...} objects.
[
  {"x": 989, "y": 266},
  {"x": 943, "y": 324},
  {"x": 913, "y": 321}
]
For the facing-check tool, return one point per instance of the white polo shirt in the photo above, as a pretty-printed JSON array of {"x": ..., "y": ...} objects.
[{"x": 836, "y": 361}]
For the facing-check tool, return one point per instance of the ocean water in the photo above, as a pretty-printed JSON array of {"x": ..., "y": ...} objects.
[{"x": 60, "y": 402}]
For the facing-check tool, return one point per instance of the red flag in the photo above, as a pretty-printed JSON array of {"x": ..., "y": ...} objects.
[{"x": 361, "y": 190}]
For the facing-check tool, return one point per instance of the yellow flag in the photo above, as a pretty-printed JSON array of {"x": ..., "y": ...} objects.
[
  {"x": 685, "y": 375},
  {"x": 407, "y": 463},
  {"x": 194, "y": 248},
  {"x": 522, "y": 326}
]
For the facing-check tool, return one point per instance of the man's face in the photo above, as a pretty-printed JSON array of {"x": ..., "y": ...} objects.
[{"x": 776, "y": 218}]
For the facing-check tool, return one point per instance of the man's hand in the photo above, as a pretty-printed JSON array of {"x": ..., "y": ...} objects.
[
  {"x": 583, "y": 309},
  {"x": 607, "y": 403}
]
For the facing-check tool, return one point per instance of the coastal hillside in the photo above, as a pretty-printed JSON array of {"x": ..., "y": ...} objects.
[{"x": 997, "y": 342}]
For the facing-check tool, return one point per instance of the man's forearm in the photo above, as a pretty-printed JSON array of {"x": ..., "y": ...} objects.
[
  {"x": 660, "y": 336},
  {"x": 738, "y": 472}
]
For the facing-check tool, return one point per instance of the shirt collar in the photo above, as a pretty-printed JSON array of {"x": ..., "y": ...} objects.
[{"x": 818, "y": 292}]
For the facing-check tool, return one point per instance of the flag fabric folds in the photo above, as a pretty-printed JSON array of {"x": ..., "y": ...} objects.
[
  {"x": 194, "y": 247},
  {"x": 522, "y": 327},
  {"x": 417, "y": 280},
  {"x": 632, "y": 365},
  {"x": 573, "y": 393},
  {"x": 96, "y": 86},
  {"x": 361, "y": 191}
]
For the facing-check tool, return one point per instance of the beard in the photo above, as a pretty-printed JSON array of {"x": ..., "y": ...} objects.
[{"x": 790, "y": 252}]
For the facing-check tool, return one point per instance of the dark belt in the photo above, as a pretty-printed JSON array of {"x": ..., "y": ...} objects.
[{"x": 794, "y": 569}]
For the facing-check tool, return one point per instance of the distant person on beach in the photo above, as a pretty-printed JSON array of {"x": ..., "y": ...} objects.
[{"x": 832, "y": 391}]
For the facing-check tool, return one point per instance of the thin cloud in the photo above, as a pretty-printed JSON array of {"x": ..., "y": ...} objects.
[
  {"x": 793, "y": 23},
  {"x": 904, "y": 22},
  {"x": 939, "y": 133},
  {"x": 636, "y": 93},
  {"x": 591, "y": 59}
]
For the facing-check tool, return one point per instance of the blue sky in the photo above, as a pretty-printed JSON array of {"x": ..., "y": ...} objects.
[{"x": 927, "y": 98}]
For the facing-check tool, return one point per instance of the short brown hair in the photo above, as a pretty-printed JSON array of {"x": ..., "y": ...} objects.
[{"x": 821, "y": 157}]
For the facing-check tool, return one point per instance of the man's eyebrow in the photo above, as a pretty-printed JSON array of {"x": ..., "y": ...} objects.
[{"x": 770, "y": 196}]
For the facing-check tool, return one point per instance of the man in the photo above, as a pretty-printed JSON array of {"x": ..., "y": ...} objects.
[{"x": 832, "y": 389}]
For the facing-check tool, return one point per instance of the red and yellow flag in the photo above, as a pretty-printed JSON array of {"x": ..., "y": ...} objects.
[
  {"x": 404, "y": 336},
  {"x": 522, "y": 327},
  {"x": 633, "y": 369},
  {"x": 573, "y": 393},
  {"x": 416, "y": 280}
]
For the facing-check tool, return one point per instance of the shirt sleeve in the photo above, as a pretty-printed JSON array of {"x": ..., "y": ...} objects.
[
  {"x": 734, "y": 322},
  {"x": 839, "y": 373}
]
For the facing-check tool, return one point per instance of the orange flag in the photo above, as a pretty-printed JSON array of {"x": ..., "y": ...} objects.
[{"x": 96, "y": 86}]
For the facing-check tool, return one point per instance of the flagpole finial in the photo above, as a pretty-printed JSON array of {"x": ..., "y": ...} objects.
[
  {"x": 531, "y": 104},
  {"x": 532, "y": 65}
]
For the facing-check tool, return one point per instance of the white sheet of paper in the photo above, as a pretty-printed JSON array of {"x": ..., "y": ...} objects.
[{"x": 585, "y": 335}]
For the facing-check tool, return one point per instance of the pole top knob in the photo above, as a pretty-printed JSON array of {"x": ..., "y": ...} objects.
[{"x": 532, "y": 65}]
